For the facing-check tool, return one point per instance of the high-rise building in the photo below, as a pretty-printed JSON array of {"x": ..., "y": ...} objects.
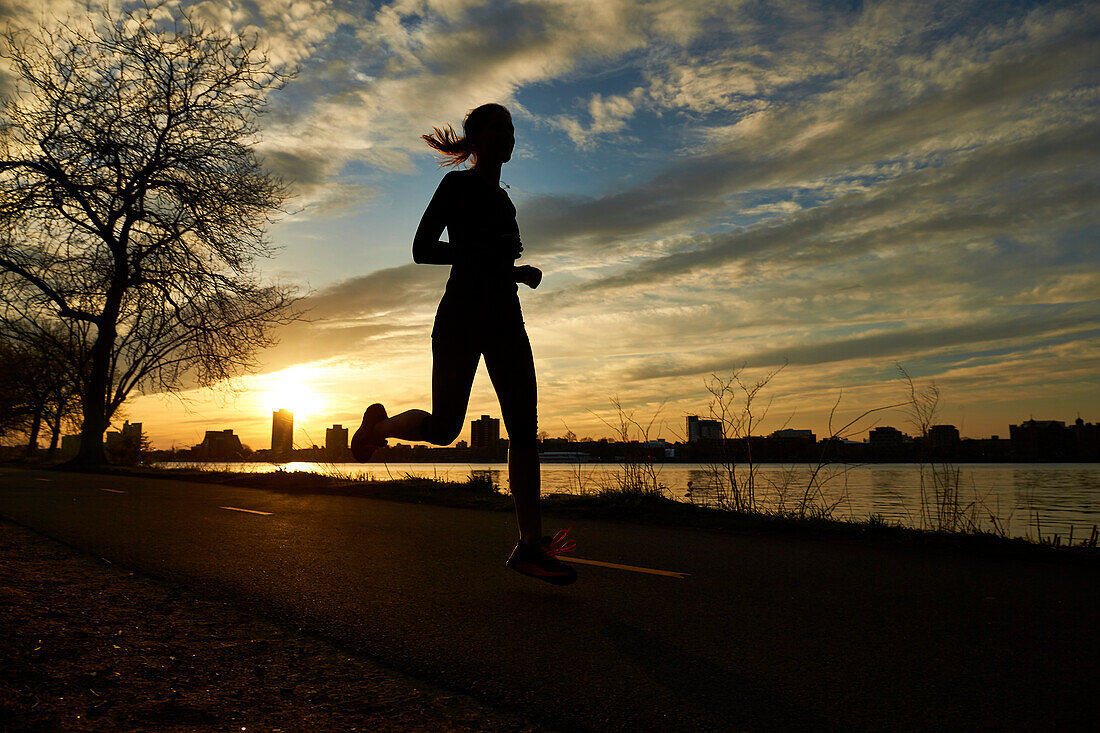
[
  {"x": 700, "y": 429},
  {"x": 484, "y": 432},
  {"x": 282, "y": 431},
  {"x": 336, "y": 441}
]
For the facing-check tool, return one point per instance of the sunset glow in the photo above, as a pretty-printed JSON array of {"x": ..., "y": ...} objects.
[
  {"x": 705, "y": 185},
  {"x": 290, "y": 390}
]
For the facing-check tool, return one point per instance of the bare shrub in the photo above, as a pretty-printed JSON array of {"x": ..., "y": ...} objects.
[
  {"x": 812, "y": 491},
  {"x": 942, "y": 505},
  {"x": 638, "y": 473},
  {"x": 735, "y": 405}
]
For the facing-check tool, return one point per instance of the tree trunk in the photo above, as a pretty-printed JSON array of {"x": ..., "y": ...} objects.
[
  {"x": 91, "y": 435},
  {"x": 36, "y": 426},
  {"x": 55, "y": 426},
  {"x": 94, "y": 400}
]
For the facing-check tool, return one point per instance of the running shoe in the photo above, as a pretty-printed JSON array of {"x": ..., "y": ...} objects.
[
  {"x": 541, "y": 561},
  {"x": 363, "y": 444}
]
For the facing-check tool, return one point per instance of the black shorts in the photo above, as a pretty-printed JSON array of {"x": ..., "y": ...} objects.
[{"x": 458, "y": 343}]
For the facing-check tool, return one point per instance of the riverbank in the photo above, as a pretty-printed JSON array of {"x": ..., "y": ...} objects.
[
  {"x": 1051, "y": 502},
  {"x": 649, "y": 508},
  {"x": 87, "y": 646}
]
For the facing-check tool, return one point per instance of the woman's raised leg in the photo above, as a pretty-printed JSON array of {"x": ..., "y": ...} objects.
[{"x": 453, "y": 367}]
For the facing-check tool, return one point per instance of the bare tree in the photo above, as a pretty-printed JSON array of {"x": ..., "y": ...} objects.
[
  {"x": 132, "y": 200},
  {"x": 15, "y": 405},
  {"x": 36, "y": 381}
]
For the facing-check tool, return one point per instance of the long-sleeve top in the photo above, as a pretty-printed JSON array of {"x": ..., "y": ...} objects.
[{"x": 481, "y": 291}]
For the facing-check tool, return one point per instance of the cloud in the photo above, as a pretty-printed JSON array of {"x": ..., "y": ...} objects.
[
  {"x": 411, "y": 65},
  {"x": 986, "y": 97},
  {"x": 608, "y": 114},
  {"x": 1019, "y": 328},
  {"x": 841, "y": 184},
  {"x": 344, "y": 318},
  {"x": 978, "y": 196}
]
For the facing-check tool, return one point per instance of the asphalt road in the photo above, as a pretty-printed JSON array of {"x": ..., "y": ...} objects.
[{"x": 760, "y": 632}]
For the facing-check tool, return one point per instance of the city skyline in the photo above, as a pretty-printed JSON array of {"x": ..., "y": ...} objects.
[
  {"x": 708, "y": 428},
  {"x": 705, "y": 185}
]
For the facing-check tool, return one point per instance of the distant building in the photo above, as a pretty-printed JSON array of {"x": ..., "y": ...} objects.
[
  {"x": 336, "y": 442},
  {"x": 1086, "y": 440},
  {"x": 886, "y": 437},
  {"x": 219, "y": 445},
  {"x": 700, "y": 429},
  {"x": 943, "y": 440},
  {"x": 888, "y": 442},
  {"x": 130, "y": 433},
  {"x": 1040, "y": 440},
  {"x": 795, "y": 434},
  {"x": 282, "y": 431},
  {"x": 70, "y": 445},
  {"x": 485, "y": 432},
  {"x": 986, "y": 449},
  {"x": 944, "y": 434},
  {"x": 786, "y": 444},
  {"x": 562, "y": 456}
]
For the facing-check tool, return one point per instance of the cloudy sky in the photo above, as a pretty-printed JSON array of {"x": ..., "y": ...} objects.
[{"x": 706, "y": 184}]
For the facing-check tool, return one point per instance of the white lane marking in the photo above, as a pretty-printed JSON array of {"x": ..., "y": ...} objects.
[
  {"x": 114, "y": 491},
  {"x": 631, "y": 568},
  {"x": 47, "y": 480},
  {"x": 250, "y": 511}
]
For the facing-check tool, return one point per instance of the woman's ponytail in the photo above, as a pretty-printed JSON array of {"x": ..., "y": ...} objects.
[{"x": 453, "y": 149}]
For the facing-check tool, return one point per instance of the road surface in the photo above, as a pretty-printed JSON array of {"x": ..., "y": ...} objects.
[{"x": 741, "y": 631}]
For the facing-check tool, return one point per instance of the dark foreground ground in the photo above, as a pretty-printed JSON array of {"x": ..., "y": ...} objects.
[
  {"x": 757, "y": 629},
  {"x": 88, "y": 646}
]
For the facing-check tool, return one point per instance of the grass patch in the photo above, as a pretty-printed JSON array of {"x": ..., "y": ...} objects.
[
  {"x": 619, "y": 505},
  {"x": 654, "y": 509},
  {"x": 477, "y": 492}
]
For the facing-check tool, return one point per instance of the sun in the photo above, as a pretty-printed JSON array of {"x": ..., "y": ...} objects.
[{"x": 291, "y": 390}]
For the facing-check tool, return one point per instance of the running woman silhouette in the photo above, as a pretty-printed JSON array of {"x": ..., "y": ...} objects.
[{"x": 479, "y": 315}]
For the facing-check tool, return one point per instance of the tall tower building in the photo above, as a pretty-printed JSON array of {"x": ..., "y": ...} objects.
[
  {"x": 336, "y": 441},
  {"x": 485, "y": 432},
  {"x": 282, "y": 431}
]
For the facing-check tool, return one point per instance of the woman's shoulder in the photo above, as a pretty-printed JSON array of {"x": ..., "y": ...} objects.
[
  {"x": 458, "y": 174},
  {"x": 456, "y": 179}
]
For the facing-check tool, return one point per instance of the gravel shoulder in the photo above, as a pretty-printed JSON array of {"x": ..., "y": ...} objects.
[{"x": 89, "y": 646}]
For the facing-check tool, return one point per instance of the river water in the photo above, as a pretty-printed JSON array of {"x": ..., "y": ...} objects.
[{"x": 1022, "y": 499}]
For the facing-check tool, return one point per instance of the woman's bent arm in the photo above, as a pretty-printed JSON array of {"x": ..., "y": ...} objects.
[{"x": 427, "y": 248}]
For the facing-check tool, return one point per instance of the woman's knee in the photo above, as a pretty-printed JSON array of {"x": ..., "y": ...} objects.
[
  {"x": 524, "y": 440},
  {"x": 523, "y": 429},
  {"x": 441, "y": 429}
]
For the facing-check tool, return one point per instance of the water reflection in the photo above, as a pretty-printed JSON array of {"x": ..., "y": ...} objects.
[
  {"x": 1008, "y": 496},
  {"x": 494, "y": 476},
  {"x": 887, "y": 499}
]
